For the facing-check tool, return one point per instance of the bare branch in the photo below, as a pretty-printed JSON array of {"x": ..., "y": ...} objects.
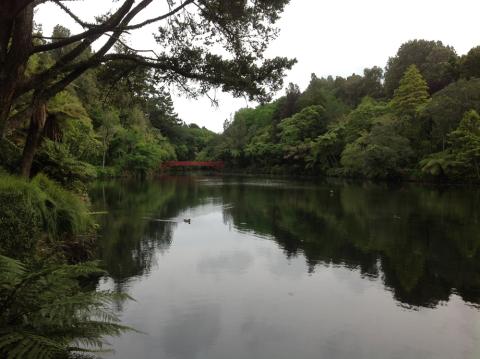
[
  {"x": 160, "y": 18},
  {"x": 72, "y": 15},
  {"x": 108, "y": 25}
]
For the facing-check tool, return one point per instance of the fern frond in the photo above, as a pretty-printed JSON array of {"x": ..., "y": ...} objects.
[
  {"x": 45, "y": 313},
  {"x": 16, "y": 345}
]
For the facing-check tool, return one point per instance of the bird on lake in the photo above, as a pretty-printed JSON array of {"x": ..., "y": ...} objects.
[{"x": 187, "y": 220}]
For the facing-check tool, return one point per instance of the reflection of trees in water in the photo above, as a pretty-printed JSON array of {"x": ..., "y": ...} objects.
[
  {"x": 131, "y": 237},
  {"x": 427, "y": 242},
  {"x": 424, "y": 243}
]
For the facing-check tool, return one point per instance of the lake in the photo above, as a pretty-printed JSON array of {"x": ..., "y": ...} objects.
[{"x": 273, "y": 269}]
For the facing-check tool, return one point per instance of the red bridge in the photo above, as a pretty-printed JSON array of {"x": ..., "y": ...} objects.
[{"x": 211, "y": 164}]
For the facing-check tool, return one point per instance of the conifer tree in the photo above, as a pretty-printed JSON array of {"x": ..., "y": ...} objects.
[
  {"x": 465, "y": 141},
  {"x": 411, "y": 94}
]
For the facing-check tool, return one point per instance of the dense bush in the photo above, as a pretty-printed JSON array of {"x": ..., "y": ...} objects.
[
  {"x": 38, "y": 212},
  {"x": 55, "y": 160},
  {"x": 21, "y": 221},
  {"x": 139, "y": 154}
]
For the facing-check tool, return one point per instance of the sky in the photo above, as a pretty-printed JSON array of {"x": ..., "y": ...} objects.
[{"x": 335, "y": 38}]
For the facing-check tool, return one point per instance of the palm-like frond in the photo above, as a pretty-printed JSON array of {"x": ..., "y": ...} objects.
[{"x": 45, "y": 313}]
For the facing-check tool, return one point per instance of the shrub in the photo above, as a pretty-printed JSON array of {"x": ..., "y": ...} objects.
[
  {"x": 21, "y": 219},
  {"x": 55, "y": 160},
  {"x": 36, "y": 210}
]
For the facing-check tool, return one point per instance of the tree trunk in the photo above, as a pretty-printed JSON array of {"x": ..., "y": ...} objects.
[
  {"x": 15, "y": 45},
  {"x": 5, "y": 106},
  {"x": 37, "y": 123}
]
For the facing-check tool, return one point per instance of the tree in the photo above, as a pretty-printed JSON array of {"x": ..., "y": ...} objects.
[
  {"x": 186, "y": 31},
  {"x": 107, "y": 131},
  {"x": 286, "y": 107},
  {"x": 306, "y": 124},
  {"x": 352, "y": 90},
  {"x": 380, "y": 153},
  {"x": 411, "y": 93},
  {"x": 465, "y": 143},
  {"x": 355, "y": 87},
  {"x": 322, "y": 92},
  {"x": 470, "y": 64},
  {"x": 162, "y": 115},
  {"x": 327, "y": 149},
  {"x": 314, "y": 94},
  {"x": 373, "y": 83},
  {"x": 433, "y": 59},
  {"x": 298, "y": 132},
  {"x": 447, "y": 107},
  {"x": 363, "y": 117}
]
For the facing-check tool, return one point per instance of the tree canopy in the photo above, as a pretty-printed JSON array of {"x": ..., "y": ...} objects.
[
  {"x": 365, "y": 126},
  {"x": 188, "y": 33},
  {"x": 434, "y": 60}
]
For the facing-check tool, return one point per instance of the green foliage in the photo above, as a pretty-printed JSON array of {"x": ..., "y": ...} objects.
[
  {"x": 470, "y": 64},
  {"x": 327, "y": 149},
  {"x": 411, "y": 94},
  {"x": 44, "y": 312},
  {"x": 55, "y": 160},
  {"x": 380, "y": 153},
  {"x": 139, "y": 153},
  {"x": 21, "y": 216},
  {"x": 349, "y": 126},
  {"x": 70, "y": 144},
  {"x": 362, "y": 118},
  {"x": 441, "y": 164},
  {"x": 298, "y": 132},
  {"x": 261, "y": 151},
  {"x": 465, "y": 145},
  {"x": 306, "y": 124},
  {"x": 34, "y": 213},
  {"x": 355, "y": 87},
  {"x": 322, "y": 92},
  {"x": 433, "y": 59},
  {"x": 447, "y": 107},
  {"x": 67, "y": 214},
  {"x": 117, "y": 119}
]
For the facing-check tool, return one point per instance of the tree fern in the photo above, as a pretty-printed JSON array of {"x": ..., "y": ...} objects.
[{"x": 45, "y": 313}]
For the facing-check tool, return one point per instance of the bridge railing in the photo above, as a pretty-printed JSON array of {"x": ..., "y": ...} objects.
[{"x": 211, "y": 164}]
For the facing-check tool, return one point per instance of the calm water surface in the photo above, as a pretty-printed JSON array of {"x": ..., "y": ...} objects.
[{"x": 270, "y": 269}]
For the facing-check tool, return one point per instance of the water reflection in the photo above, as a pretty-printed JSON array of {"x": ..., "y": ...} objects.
[{"x": 422, "y": 242}]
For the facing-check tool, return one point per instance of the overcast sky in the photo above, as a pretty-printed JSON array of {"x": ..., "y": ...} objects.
[{"x": 337, "y": 37}]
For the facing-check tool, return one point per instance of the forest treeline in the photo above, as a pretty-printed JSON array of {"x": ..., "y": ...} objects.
[
  {"x": 417, "y": 119},
  {"x": 112, "y": 121}
]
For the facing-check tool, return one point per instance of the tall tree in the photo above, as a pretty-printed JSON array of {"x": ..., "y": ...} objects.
[
  {"x": 162, "y": 115},
  {"x": 432, "y": 58},
  {"x": 465, "y": 142},
  {"x": 411, "y": 94},
  {"x": 470, "y": 64},
  {"x": 187, "y": 31},
  {"x": 447, "y": 107}
]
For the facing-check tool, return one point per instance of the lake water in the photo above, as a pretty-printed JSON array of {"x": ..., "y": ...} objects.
[{"x": 272, "y": 269}]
